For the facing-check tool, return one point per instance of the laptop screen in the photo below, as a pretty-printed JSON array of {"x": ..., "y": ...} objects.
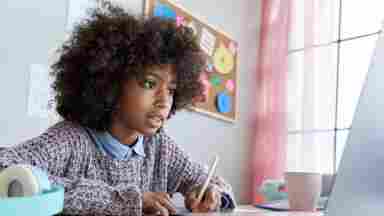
[{"x": 359, "y": 186}]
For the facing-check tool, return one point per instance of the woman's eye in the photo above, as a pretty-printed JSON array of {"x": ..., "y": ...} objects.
[{"x": 149, "y": 84}]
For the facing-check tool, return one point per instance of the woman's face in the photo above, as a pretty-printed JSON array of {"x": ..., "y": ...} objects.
[{"x": 146, "y": 101}]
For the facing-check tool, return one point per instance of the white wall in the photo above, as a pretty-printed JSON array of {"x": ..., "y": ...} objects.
[
  {"x": 29, "y": 31},
  {"x": 31, "y": 28}
]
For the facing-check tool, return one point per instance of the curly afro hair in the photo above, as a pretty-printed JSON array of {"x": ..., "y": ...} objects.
[{"x": 112, "y": 46}]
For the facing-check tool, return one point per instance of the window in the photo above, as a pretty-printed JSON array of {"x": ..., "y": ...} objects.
[{"x": 330, "y": 51}]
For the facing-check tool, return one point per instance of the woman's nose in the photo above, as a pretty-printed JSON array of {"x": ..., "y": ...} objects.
[{"x": 164, "y": 95}]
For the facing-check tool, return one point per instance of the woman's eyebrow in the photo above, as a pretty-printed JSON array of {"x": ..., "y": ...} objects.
[{"x": 173, "y": 82}]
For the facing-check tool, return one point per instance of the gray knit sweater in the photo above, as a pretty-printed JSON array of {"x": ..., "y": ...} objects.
[{"x": 96, "y": 183}]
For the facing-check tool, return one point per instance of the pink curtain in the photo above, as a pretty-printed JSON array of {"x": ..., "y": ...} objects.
[{"x": 268, "y": 123}]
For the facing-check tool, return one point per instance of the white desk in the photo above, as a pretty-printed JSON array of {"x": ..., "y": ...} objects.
[
  {"x": 248, "y": 210},
  {"x": 241, "y": 210}
]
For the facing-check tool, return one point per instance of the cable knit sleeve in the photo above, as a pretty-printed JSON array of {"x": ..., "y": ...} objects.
[
  {"x": 92, "y": 197},
  {"x": 185, "y": 174},
  {"x": 52, "y": 152}
]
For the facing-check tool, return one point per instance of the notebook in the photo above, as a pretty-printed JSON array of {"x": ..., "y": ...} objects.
[{"x": 283, "y": 205}]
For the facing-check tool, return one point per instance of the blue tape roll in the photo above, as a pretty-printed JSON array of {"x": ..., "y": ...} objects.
[
  {"x": 23, "y": 180},
  {"x": 42, "y": 179},
  {"x": 26, "y": 190}
]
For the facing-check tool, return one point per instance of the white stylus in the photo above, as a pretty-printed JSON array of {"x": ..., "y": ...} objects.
[{"x": 210, "y": 175}]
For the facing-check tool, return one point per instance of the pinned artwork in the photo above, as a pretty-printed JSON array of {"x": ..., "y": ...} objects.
[
  {"x": 223, "y": 60},
  {"x": 220, "y": 75},
  {"x": 163, "y": 10},
  {"x": 223, "y": 102},
  {"x": 209, "y": 67},
  {"x": 230, "y": 85},
  {"x": 215, "y": 80},
  {"x": 179, "y": 20}
]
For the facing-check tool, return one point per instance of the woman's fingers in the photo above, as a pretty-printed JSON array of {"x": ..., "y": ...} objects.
[
  {"x": 166, "y": 202},
  {"x": 194, "y": 204},
  {"x": 211, "y": 200},
  {"x": 161, "y": 209},
  {"x": 158, "y": 202}
]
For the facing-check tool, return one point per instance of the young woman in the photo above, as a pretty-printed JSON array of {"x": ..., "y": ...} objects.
[{"x": 118, "y": 80}]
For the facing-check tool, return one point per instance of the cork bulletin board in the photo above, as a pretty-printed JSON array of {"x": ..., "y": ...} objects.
[{"x": 220, "y": 77}]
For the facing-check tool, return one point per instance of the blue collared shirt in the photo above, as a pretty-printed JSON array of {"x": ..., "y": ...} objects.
[{"x": 111, "y": 146}]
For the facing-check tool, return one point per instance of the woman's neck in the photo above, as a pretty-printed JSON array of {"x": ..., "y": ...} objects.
[{"x": 124, "y": 135}]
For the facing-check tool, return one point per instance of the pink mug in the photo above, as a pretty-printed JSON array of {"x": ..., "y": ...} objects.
[{"x": 304, "y": 190}]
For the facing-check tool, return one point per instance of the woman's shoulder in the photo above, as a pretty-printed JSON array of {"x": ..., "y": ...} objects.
[
  {"x": 66, "y": 128},
  {"x": 64, "y": 132}
]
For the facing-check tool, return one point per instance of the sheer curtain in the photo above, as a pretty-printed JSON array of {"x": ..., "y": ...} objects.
[
  {"x": 295, "y": 112},
  {"x": 312, "y": 85},
  {"x": 268, "y": 144}
]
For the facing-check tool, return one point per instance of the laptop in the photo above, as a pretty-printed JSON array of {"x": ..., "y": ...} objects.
[{"x": 359, "y": 185}]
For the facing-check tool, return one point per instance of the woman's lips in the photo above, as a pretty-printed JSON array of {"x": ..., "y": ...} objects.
[{"x": 155, "y": 120}]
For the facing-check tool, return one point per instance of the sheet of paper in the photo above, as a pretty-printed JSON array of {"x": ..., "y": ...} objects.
[
  {"x": 208, "y": 41},
  {"x": 230, "y": 85},
  {"x": 40, "y": 96}
]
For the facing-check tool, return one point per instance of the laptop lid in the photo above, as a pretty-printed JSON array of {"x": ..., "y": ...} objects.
[{"x": 359, "y": 186}]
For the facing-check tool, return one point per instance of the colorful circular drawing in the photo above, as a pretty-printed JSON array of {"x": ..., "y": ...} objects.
[
  {"x": 223, "y": 60},
  {"x": 223, "y": 102}
]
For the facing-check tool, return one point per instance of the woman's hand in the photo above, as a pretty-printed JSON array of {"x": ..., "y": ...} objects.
[
  {"x": 157, "y": 202},
  {"x": 210, "y": 201}
]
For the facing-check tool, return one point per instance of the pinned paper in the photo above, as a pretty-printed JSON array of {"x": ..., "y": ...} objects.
[
  {"x": 179, "y": 21},
  {"x": 163, "y": 10},
  {"x": 209, "y": 67},
  {"x": 233, "y": 47},
  {"x": 223, "y": 60},
  {"x": 223, "y": 102},
  {"x": 215, "y": 80},
  {"x": 230, "y": 85},
  {"x": 207, "y": 42}
]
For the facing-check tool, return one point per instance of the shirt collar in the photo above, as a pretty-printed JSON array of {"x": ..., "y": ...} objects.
[{"x": 110, "y": 145}]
